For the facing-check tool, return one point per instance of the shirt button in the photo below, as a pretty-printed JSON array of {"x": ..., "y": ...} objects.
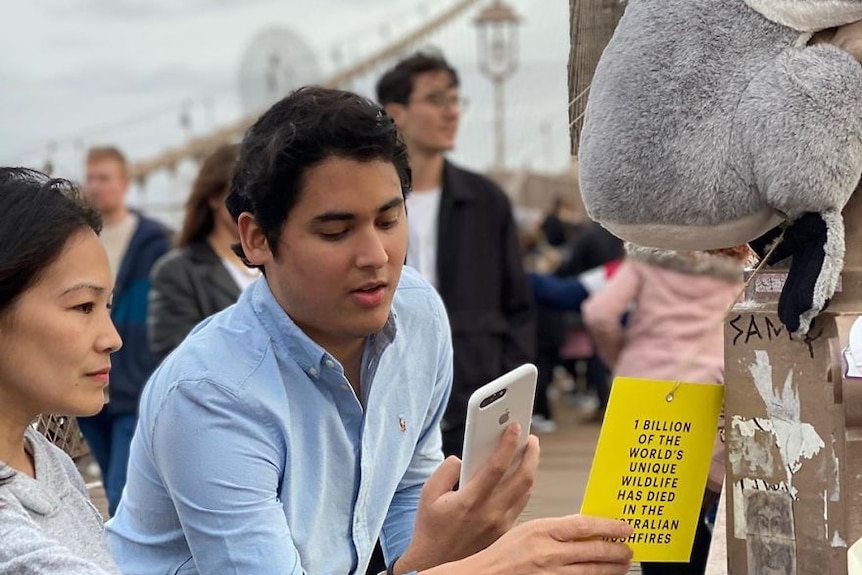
[
  {"x": 329, "y": 363},
  {"x": 312, "y": 372}
]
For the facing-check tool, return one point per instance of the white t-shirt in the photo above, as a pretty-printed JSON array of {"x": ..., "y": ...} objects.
[
  {"x": 242, "y": 277},
  {"x": 423, "y": 209},
  {"x": 116, "y": 238}
]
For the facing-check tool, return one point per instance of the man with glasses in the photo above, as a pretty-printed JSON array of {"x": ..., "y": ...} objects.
[{"x": 462, "y": 236}]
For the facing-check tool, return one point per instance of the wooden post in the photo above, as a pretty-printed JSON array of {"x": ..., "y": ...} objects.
[
  {"x": 592, "y": 25},
  {"x": 794, "y": 429}
]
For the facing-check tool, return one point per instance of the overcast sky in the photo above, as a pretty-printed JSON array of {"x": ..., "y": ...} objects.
[{"x": 82, "y": 72}]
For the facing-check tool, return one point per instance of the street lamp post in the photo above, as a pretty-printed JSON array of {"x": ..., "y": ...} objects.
[{"x": 497, "y": 25}]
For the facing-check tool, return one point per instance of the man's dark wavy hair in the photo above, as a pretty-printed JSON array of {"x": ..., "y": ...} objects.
[
  {"x": 396, "y": 85},
  {"x": 307, "y": 127}
]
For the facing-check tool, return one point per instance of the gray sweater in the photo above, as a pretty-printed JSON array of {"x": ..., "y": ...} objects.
[{"x": 47, "y": 524}]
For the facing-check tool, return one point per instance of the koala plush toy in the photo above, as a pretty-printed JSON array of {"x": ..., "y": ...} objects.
[{"x": 713, "y": 123}]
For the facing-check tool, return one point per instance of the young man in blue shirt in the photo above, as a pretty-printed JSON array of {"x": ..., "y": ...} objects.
[{"x": 290, "y": 431}]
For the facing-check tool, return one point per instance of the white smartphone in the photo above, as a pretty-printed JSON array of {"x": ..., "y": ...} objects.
[{"x": 508, "y": 399}]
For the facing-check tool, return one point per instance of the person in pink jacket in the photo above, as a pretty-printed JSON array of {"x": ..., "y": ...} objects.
[{"x": 674, "y": 304}]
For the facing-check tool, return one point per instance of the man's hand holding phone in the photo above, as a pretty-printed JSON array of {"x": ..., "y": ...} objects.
[
  {"x": 452, "y": 525},
  {"x": 470, "y": 531}
]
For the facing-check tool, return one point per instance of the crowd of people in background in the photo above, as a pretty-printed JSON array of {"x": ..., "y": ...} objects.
[
  {"x": 270, "y": 355},
  {"x": 568, "y": 246}
]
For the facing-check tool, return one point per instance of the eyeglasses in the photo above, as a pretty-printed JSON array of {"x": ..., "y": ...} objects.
[{"x": 443, "y": 100}]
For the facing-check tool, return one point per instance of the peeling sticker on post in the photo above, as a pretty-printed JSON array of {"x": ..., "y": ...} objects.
[
  {"x": 796, "y": 440},
  {"x": 838, "y": 541},
  {"x": 739, "y": 527},
  {"x": 773, "y": 283},
  {"x": 825, "y": 513},
  {"x": 750, "y": 451},
  {"x": 836, "y": 474}
]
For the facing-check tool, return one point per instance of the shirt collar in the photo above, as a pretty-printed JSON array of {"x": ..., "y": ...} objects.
[{"x": 292, "y": 341}]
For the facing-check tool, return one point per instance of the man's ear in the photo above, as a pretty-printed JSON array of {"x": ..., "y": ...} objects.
[{"x": 255, "y": 246}]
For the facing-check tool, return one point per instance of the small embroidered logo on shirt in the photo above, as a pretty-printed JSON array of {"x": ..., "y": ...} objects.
[{"x": 402, "y": 424}]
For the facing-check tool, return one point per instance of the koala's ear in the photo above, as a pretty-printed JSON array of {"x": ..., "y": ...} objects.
[{"x": 808, "y": 15}]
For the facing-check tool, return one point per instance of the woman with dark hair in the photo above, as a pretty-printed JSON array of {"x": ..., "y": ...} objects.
[
  {"x": 203, "y": 275},
  {"x": 56, "y": 338}
]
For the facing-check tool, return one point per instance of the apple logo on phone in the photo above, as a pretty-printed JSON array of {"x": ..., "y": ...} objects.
[{"x": 504, "y": 418}]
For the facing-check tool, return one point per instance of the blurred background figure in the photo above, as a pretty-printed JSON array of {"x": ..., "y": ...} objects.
[
  {"x": 202, "y": 275},
  {"x": 463, "y": 237},
  {"x": 133, "y": 242},
  {"x": 545, "y": 255},
  {"x": 565, "y": 268},
  {"x": 592, "y": 247},
  {"x": 675, "y": 304},
  {"x": 564, "y": 343},
  {"x": 561, "y": 225}
]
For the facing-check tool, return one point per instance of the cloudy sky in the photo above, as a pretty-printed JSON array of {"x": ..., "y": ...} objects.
[{"x": 79, "y": 72}]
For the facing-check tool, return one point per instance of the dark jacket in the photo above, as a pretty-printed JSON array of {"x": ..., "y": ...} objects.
[
  {"x": 592, "y": 247},
  {"x": 132, "y": 365},
  {"x": 189, "y": 285},
  {"x": 483, "y": 286}
]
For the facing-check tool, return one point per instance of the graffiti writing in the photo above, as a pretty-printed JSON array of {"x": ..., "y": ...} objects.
[{"x": 752, "y": 330}]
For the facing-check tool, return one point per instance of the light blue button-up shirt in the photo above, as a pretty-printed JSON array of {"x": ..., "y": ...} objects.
[{"x": 254, "y": 456}]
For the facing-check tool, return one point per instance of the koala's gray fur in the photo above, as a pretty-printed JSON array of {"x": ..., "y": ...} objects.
[{"x": 711, "y": 121}]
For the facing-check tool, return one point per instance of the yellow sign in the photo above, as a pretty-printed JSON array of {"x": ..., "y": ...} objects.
[{"x": 652, "y": 462}]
